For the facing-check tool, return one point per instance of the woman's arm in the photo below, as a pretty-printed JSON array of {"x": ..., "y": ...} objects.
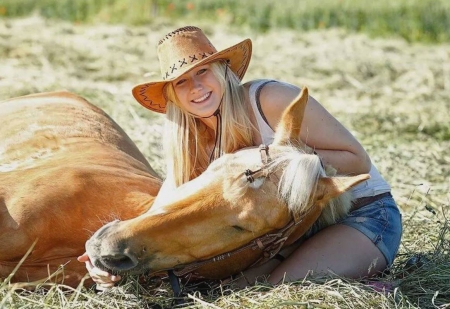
[{"x": 320, "y": 130}]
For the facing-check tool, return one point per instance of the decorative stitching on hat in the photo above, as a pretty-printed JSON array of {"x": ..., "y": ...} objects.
[
  {"x": 187, "y": 28},
  {"x": 182, "y": 62},
  {"x": 193, "y": 58},
  {"x": 144, "y": 97}
]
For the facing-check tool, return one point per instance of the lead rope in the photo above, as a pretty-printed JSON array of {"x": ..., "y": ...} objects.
[{"x": 175, "y": 284}]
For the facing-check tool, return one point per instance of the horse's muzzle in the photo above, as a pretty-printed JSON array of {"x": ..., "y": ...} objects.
[
  {"x": 109, "y": 253},
  {"x": 117, "y": 263}
]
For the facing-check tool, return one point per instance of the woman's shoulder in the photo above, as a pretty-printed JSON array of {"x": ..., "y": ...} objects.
[
  {"x": 277, "y": 95},
  {"x": 272, "y": 88},
  {"x": 273, "y": 97},
  {"x": 257, "y": 83},
  {"x": 252, "y": 84}
]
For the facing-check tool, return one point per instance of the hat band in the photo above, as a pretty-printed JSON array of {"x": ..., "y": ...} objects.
[{"x": 185, "y": 62}]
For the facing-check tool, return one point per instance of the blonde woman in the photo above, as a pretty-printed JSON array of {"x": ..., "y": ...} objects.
[{"x": 210, "y": 112}]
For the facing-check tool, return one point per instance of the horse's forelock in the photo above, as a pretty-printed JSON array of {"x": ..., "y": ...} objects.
[
  {"x": 300, "y": 172},
  {"x": 298, "y": 185},
  {"x": 298, "y": 182},
  {"x": 299, "y": 178}
]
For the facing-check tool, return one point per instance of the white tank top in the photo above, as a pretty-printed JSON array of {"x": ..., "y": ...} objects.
[{"x": 371, "y": 187}]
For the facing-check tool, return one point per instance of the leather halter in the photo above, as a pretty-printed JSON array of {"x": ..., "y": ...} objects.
[
  {"x": 269, "y": 244},
  {"x": 265, "y": 159}
]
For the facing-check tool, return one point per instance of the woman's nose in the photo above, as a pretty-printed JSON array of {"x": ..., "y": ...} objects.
[{"x": 196, "y": 84}]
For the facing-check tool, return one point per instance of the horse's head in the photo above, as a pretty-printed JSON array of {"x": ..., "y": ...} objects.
[{"x": 240, "y": 197}]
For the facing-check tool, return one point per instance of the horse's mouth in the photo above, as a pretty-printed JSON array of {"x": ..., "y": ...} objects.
[{"x": 120, "y": 265}]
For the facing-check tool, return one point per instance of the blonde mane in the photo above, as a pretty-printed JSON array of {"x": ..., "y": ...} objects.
[{"x": 298, "y": 185}]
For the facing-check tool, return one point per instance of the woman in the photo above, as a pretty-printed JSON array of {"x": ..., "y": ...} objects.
[{"x": 203, "y": 98}]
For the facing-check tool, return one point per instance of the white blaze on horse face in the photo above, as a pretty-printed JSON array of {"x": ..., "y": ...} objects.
[
  {"x": 257, "y": 183},
  {"x": 236, "y": 183}
]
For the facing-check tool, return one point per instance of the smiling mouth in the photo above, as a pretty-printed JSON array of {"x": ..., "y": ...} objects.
[{"x": 203, "y": 98}]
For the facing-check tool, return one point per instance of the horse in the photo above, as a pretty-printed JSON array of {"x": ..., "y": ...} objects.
[
  {"x": 238, "y": 214},
  {"x": 66, "y": 169}
]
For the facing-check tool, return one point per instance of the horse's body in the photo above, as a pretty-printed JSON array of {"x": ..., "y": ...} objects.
[
  {"x": 66, "y": 169},
  {"x": 240, "y": 197}
]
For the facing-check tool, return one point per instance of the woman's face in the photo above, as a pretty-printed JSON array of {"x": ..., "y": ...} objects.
[{"x": 198, "y": 91}]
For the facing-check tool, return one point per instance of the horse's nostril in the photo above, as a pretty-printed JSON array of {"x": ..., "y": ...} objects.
[
  {"x": 119, "y": 262},
  {"x": 102, "y": 230}
]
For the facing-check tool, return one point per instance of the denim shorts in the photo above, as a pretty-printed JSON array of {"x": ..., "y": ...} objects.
[{"x": 381, "y": 222}]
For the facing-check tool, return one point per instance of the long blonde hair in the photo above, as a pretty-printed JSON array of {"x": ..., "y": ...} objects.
[{"x": 186, "y": 136}]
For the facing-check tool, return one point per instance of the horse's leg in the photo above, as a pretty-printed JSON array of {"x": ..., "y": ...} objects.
[
  {"x": 67, "y": 271},
  {"x": 16, "y": 241}
]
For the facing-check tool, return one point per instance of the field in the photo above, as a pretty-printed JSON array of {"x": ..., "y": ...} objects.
[
  {"x": 393, "y": 95},
  {"x": 413, "y": 20}
]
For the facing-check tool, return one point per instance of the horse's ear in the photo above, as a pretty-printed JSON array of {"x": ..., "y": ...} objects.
[
  {"x": 288, "y": 130},
  {"x": 331, "y": 187}
]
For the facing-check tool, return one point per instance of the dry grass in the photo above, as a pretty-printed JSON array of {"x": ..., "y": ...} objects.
[{"x": 392, "y": 95}]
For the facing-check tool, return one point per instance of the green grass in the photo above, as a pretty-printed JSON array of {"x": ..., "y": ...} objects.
[{"x": 413, "y": 20}]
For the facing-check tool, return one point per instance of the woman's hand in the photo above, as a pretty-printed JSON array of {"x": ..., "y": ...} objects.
[{"x": 103, "y": 279}]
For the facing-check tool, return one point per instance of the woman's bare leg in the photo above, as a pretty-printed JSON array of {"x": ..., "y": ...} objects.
[{"x": 337, "y": 249}]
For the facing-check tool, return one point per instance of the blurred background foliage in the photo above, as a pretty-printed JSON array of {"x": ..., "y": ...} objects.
[{"x": 414, "y": 20}]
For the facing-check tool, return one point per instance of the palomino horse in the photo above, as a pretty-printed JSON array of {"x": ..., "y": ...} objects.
[
  {"x": 66, "y": 168},
  {"x": 238, "y": 213}
]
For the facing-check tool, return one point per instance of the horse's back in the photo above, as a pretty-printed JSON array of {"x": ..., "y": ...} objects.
[
  {"x": 58, "y": 122},
  {"x": 66, "y": 168}
]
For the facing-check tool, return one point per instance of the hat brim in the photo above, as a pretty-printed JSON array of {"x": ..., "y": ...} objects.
[{"x": 151, "y": 94}]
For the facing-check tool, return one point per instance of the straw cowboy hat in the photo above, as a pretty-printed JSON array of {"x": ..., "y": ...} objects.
[{"x": 182, "y": 50}]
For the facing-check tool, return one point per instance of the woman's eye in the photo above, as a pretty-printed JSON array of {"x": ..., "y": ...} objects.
[
  {"x": 201, "y": 71},
  {"x": 180, "y": 82}
]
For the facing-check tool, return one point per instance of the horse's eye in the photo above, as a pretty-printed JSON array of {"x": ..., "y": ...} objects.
[{"x": 238, "y": 228}]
